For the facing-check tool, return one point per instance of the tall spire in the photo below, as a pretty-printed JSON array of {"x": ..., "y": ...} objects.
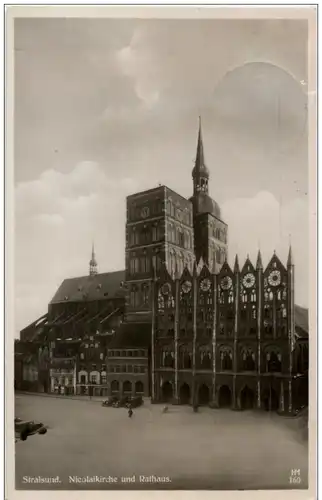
[
  {"x": 200, "y": 155},
  {"x": 290, "y": 257},
  {"x": 259, "y": 263},
  {"x": 200, "y": 172},
  {"x": 93, "y": 263}
]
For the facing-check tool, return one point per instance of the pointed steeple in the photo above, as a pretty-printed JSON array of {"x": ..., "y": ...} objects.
[
  {"x": 236, "y": 265},
  {"x": 259, "y": 263},
  {"x": 93, "y": 263},
  {"x": 200, "y": 172},
  {"x": 290, "y": 258},
  {"x": 200, "y": 160}
]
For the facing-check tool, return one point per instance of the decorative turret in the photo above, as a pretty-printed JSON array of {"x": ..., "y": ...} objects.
[
  {"x": 93, "y": 263},
  {"x": 290, "y": 258},
  {"x": 259, "y": 263},
  {"x": 236, "y": 266}
]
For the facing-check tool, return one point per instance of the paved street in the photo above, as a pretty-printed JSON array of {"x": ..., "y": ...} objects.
[{"x": 215, "y": 449}]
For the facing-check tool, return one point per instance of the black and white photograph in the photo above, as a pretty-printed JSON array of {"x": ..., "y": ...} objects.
[{"x": 163, "y": 249}]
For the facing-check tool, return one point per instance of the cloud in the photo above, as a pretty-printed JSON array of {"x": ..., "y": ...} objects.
[
  {"x": 138, "y": 62},
  {"x": 57, "y": 217}
]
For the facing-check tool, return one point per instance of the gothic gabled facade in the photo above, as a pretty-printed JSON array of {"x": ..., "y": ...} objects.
[{"x": 226, "y": 339}]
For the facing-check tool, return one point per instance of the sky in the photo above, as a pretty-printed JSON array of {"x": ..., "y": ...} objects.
[{"x": 107, "y": 107}]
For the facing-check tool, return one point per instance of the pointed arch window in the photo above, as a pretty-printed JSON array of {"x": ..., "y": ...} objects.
[
  {"x": 230, "y": 297},
  {"x": 253, "y": 296},
  {"x": 226, "y": 359},
  {"x": 273, "y": 361},
  {"x": 186, "y": 359},
  {"x": 248, "y": 360},
  {"x": 168, "y": 359},
  {"x": 206, "y": 359}
]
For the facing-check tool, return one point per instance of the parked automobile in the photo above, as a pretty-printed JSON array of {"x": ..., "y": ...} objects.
[
  {"x": 110, "y": 401},
  {"x": 123, "y": 402},
  {"x": 24, "y": 429},
  {"x": 134, "y": 402}
]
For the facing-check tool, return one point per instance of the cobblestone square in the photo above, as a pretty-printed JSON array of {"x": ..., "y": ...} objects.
[{"x": 213, "y": 449}]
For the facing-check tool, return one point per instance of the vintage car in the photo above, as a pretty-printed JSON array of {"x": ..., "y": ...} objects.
[
  {"x": 25, "y": 428},
  {"x": 134, "y": 402},
  {"x": 110, "y": 401},
  {"x": 122, "y": 403}
]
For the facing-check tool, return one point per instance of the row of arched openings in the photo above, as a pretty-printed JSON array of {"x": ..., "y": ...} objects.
[{"x": 246, "y": 362}]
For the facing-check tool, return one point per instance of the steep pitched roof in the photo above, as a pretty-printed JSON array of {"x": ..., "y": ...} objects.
[
  {"x": 301, "y": 321},
  {"x": 97, "y": 287}
]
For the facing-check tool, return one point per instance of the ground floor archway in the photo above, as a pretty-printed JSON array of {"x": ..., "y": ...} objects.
[
  {"x": 184, "y": 394},
  {"x": 224, "y": 397},
  {"x": 167, "y": 392},
  {"x": 203, "y": 395},
  {"x": 115, "y": 387},
  {"x": 247, "y": 398},
  {"x": 139, "y": 387},
  {"x": 127, "y": 388}
]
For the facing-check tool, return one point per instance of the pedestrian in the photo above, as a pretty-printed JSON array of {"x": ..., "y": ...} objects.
[
  {"x": 165, "y": 409},
  {"x": 130, "y": 412}
]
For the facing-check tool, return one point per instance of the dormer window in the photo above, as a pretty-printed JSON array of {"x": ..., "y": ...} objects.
[
  {"x": 99, "y": 286},
  {"x": 66, "y": 297}
]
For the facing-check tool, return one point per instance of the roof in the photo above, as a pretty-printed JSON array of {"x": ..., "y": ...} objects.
[
  {"x": 301, "y": 321},
  {"x": 132, "y": 335},
  {"x": 97, "y": 287},
  {"x": 204, "y": 204}
]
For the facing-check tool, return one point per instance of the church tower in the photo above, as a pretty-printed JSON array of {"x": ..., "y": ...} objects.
[
  {"x": 210, "y": 232},
  {"x": 93, "y": 263}
]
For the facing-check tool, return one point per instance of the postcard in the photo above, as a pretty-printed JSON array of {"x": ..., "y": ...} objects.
[{"x": 161, "y": 251}]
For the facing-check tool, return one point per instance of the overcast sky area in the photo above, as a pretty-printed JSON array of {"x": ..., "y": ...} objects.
[{"x": 105, "y": 108}]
